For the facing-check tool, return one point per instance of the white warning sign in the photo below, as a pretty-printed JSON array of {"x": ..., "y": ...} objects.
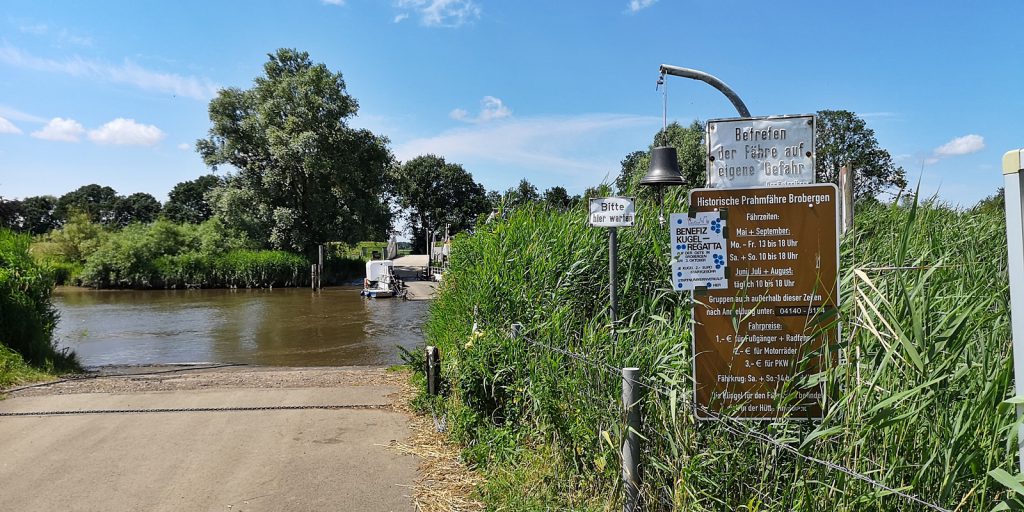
[{"x": 699, "y": 252}]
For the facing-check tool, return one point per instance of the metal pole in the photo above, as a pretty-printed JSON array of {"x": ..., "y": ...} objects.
[
  {"x": 312, "y": 276},
  {"x": 1013, "y": 192},
  {"x": 433, "y": 366},
  {"x": 613, "y": 279},
  {"x": 710, "y": 80},
  {"x": 846, "y": 190},
  {"x": 631, "y": 443},
  {"x": 320, "y": 267}
]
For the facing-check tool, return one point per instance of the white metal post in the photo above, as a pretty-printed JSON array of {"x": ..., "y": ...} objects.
[{"x": 1013, "y": 164}]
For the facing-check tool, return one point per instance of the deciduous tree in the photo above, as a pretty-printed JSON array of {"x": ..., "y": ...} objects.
[
  {"x": 436, "y": 193},
  {"x": 139, "y": 207},
  {"x": 188, "y": 203},
  {"x": 843, "y": 138},
  {"x": 297, "y": 159},
  {"x": 95, "y": 201}
]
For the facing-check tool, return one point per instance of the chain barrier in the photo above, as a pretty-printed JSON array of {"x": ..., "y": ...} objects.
[
  {"x": 80, "y": 377},
  {"x": 738, "y": 427},
  {"x": 199, "y": 409}
]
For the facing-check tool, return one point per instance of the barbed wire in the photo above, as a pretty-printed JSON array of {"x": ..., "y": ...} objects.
[{"x": 738, "y": 427}]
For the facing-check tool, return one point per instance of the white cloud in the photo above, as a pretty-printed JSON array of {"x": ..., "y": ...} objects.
[
  {"x": 60, "y": 129},
  {"x": 126, "y": 73},
  {"x": 8, "y": 127},
  {"x": 333, "y": 2},
  {"x": 491, "y": 108},
  {"x": 126, "y": 132},
  {"x": 441, "y": 13},
  {"x": 637, "y": 5},
  {"x": 184, "y": 146},
  {"x": 958, "y": 146},
  {"x": 60, "y": 37},
  {"x": 400, "y": 17},
  {"x": 563, "y": 145},
  {"x": 17, "y": 115},
  {"x": 36, "y": 29},
  {"x": 962, "y": 146}
]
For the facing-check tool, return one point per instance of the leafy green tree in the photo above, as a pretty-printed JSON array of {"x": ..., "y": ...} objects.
[
  {"x": 521, "y": 194},
  {"x": 10, "y": 214},
  {"x": 139, "y": 207},
  {"x": 436, "y": 193},
  {"x": 77, "y": 238},
  {"x": 38, "y": 214},
  {"x": 93, "y": 200},
  {"x": 558, "y": 197},
  {"x": 495, "y": 198},
  {"x": 689, "y": 144},
  {"x": 843, "y": 138},
  {"x": 311, "y": 177},
  {"x": 187, "y": 201}
]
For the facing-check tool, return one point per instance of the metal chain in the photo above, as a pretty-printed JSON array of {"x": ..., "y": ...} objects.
[
  {"x": 200, "y": 409},
  {"x": 743, "y": 429},
  {"x": 80, "y": 377}
]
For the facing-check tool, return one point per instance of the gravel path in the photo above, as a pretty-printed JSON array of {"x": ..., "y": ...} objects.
[{"x": 133, "y": 379}]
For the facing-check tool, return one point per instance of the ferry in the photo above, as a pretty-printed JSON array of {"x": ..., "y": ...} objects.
[{"x": 380, "y": 281}]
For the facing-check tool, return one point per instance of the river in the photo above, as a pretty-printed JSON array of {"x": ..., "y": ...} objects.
[{"x": 280, "y": 327}]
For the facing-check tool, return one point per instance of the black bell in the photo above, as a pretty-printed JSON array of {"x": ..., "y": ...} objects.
[{"x": 664, "y": 169}]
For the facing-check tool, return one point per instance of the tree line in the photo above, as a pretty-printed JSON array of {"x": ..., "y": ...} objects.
[{"x": 298, "y": 175}]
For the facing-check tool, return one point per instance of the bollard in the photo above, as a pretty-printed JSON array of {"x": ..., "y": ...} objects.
[
  {"x": 631, "y": 443},
  {"x": 433, "y": 369}
]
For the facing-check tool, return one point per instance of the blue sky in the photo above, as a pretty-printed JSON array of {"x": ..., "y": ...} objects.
[{"x": 115, "y": 93}]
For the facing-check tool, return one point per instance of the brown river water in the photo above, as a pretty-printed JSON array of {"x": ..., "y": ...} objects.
[{"x": 280, "y": 327}]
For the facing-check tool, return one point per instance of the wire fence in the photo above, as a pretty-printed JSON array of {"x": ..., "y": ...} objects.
[{"x": 732, "y": 425}]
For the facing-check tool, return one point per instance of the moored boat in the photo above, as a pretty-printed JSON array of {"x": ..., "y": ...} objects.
[{"x": 380, "y": 281}]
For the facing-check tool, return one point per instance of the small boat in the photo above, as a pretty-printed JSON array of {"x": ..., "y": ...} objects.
[{"x": 380, "y": 280}]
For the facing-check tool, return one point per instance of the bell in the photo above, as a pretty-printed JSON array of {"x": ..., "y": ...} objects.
[{"x": 664, "y": 169}]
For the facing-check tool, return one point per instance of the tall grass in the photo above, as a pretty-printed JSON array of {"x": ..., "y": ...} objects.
[
  {"x": 918, "y": 396},
  {"x": 27, "y": 315},
  {"x": 236, "y": 269}
]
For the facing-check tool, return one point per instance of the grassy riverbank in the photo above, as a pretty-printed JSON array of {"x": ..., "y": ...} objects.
[
  {"x": 918, "y": 398},
  {"x": 27, "y": 316},
  {"x": 165, "y": 254}
]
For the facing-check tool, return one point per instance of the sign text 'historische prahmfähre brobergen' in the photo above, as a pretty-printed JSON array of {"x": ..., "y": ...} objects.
[{"x": 778, "y": 310}]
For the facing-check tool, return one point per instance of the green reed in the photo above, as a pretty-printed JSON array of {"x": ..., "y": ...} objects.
[{"x": 917, "y": 396}]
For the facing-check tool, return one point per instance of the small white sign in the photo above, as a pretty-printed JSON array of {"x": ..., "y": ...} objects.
[
  {"x": 611, "y": 212},
  {"x": 760, "y": 151},
  {"x": 699, "y": 252}
]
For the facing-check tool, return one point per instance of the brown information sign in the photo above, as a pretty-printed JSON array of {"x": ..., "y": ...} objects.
[{"x": 776, "y": 318}]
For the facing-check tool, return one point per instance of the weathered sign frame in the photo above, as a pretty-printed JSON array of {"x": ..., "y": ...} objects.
[{"x": 709, "y": 157}]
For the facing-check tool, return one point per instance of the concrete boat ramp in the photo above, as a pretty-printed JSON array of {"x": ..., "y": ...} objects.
[
  {"x": 231, "y": 439},
  {"x": 409, "y": 269}
]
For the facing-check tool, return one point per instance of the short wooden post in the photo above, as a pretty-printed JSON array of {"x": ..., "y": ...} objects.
[
  {"x": 631, "y": 442},
  {"x": 312, "y": 277},
  {"x": 433, "y": 369}
]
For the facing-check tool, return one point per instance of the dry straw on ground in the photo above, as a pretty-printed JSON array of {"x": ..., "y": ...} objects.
[{"x": 445, "y": 483}]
